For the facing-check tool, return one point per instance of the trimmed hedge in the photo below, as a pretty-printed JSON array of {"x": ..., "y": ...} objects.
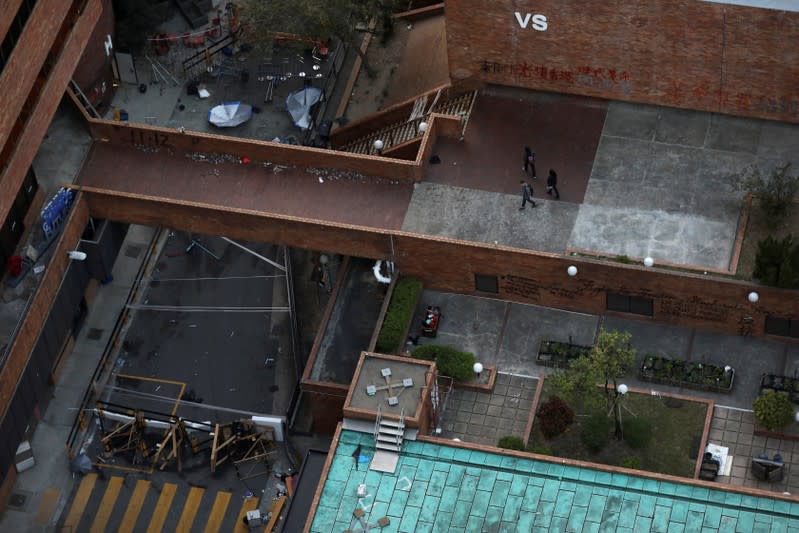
[
  {"x": 449, "y": 360},
  {"x": 398, "y": 315},
  {"x": 773, "y": 410},
  {"x": 510, "y": 442}
]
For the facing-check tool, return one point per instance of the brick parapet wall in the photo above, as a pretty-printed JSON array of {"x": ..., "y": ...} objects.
[
  {"x": 682, "y": 53},
  {"x": 690, "y": 300}
]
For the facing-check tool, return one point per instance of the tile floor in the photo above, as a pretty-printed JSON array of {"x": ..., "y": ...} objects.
[
  {"x": 447, "y": 489},
  {"x": 482, "y": 417},
  {"x": 735, "y": 429}
]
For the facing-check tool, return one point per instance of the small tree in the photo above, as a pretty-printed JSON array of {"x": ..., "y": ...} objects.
[
  {"x": 610, "y": 359},
  {"x": 777, "y": 262},
  {"x": 554, "y": 416},
  {"x": 773, "y": 410},
  {"x": 314, "y": 19},
  {"x": 774, "y": 193}
]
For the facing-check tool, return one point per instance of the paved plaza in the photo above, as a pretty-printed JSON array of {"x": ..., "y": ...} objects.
[
  {"x": 483, "y": 417},
  {"x": 734, "y": 429}
]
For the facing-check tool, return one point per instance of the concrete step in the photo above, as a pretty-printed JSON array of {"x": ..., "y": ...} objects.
[
  {"x": 387, "y": 447},
  {"x": 384, "y": 462},
  {"x": 391, "y": 430}
]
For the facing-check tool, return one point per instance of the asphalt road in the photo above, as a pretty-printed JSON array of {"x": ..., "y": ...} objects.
[{"x": 226, "y": 359}]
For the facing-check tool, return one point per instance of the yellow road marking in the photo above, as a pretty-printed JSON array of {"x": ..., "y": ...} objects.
[
  {"x": 47, "y": 505},
  {"x": 80, "y": 501},
  {"x": 217, "y": 512},
  {"x": 162, "y": 508},
  {"x": 134, "y": 506},
  {"x": 190, "y": 509},
  {"x": 107, "y": 504},
  {"x": 248, "y": 505}
]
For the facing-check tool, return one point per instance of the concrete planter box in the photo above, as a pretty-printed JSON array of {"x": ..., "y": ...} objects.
[
  {"x": 559, "y": 354},
  {"x": 680, "y": 373}
]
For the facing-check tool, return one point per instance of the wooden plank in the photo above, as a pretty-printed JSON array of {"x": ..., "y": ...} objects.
[
  {"x": 248, "y": 505},
  {"x": 162, "y": 508},
  {"x": 107, "y": 504},
  {"x": 80, "y": 501},
  {"x": 134, "y": 506},
  {"x": 217, "y": 515},
  {"x": 190, "y": 509},
  {"x": 275, "y": 508},
  {"x": 47, "y": 506}
]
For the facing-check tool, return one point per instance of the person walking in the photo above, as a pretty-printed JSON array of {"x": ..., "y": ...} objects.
[
  {"x": 552, "y": 184},
  {"x": 529, "y": 161},
  {"x": 527, "y": 195}
]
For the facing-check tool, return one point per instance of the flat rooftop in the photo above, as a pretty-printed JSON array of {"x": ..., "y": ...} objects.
[
  {"x": 446, "y": 488},
  {"x": 370, "y": 375}
]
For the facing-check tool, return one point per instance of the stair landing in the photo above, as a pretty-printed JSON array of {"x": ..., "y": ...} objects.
[{"x": 384, "y": 462}]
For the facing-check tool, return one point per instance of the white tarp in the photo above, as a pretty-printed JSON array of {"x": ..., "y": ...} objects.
[
  {"x": 299, "y": 105},
  {"x": 230, "y": 114}
]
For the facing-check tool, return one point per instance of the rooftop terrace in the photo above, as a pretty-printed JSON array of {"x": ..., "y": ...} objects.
[{"x": 447, "y": 488}]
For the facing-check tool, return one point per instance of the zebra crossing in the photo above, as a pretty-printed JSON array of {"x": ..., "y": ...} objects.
[{"x": 129, "y": 505}]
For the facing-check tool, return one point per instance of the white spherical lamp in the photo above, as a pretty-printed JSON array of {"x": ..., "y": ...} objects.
[
  {"x": 572, "y": 270},
  {"x": 753, "y": 297},
  {"x": 648, "y": 261},
  {"x": 378, "y": 144},
  {"x": 728, "y": 369},
  {"x": 478, "y": 368},
  {"x": 422, "y": 127},
  {"x": 796, "y": 416},
  {"x": 622, "y": 389}
]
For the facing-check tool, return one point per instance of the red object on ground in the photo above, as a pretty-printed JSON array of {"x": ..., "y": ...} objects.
[
  {"x": 245, "y": 160},
  {"x": 14, "y": 265}
]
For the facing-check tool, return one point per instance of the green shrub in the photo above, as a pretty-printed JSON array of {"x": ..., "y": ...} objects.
[
  {"x": 449, "y": 360},
  {"x": 637, "y": 433},
  {"x": 773, "y": 410},
  {"x": 541, "y": 450},
  {"x": 596, "y": 432},
  {"x": 631, "y": 462},
  {"x": 777, "y": 262},
  {"x": 510, "y": 442},
  {"x": 554, "y": 416},
  {"x": 398, "y": 315}
]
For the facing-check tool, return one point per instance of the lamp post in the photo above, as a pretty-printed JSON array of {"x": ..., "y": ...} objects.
[
  {"x": 753, "y": 297},
  {"x": 648, "y": 261},
  {"x": 422, "y": 127},
  {"x": 378, "y": 144},
  {"x": 478, "y": 369},
  {"x": 572, "y": 271}
]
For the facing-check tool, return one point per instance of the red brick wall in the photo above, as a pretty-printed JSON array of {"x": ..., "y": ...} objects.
[
  {"x": 44, "y": 110},
  {"x": 689, "y": 300},
  {"x": 682, "y": 53},
  {"x": 94, "y": 68},
  {"x": 42, "y": 301}
]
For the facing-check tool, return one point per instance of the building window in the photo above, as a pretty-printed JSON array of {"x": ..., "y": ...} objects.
[
  {"x": 630, "y": 304},
  {"x": 784, "y": 327},
  {"x": 483, "y": 283}
]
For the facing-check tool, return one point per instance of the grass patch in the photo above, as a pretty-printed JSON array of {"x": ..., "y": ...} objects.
[
  {"x": 757, "y": 230},
  {"x": 676, "y": 428}
]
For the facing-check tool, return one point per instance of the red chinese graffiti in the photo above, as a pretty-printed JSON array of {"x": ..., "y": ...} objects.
[{"x": 583, "y": 76}]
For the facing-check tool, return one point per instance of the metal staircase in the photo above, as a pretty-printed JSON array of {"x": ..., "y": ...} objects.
[
  {"x": 87, "y": 105},
  {"x": 389, "y": 435},
  {"x": 407, "y": 130}
]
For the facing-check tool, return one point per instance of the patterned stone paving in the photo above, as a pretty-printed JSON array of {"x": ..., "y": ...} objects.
[
  {"x": 447, "y": 489},
  {"x": 734, "y": 429},
  {"x": 483, "y": 417}
]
